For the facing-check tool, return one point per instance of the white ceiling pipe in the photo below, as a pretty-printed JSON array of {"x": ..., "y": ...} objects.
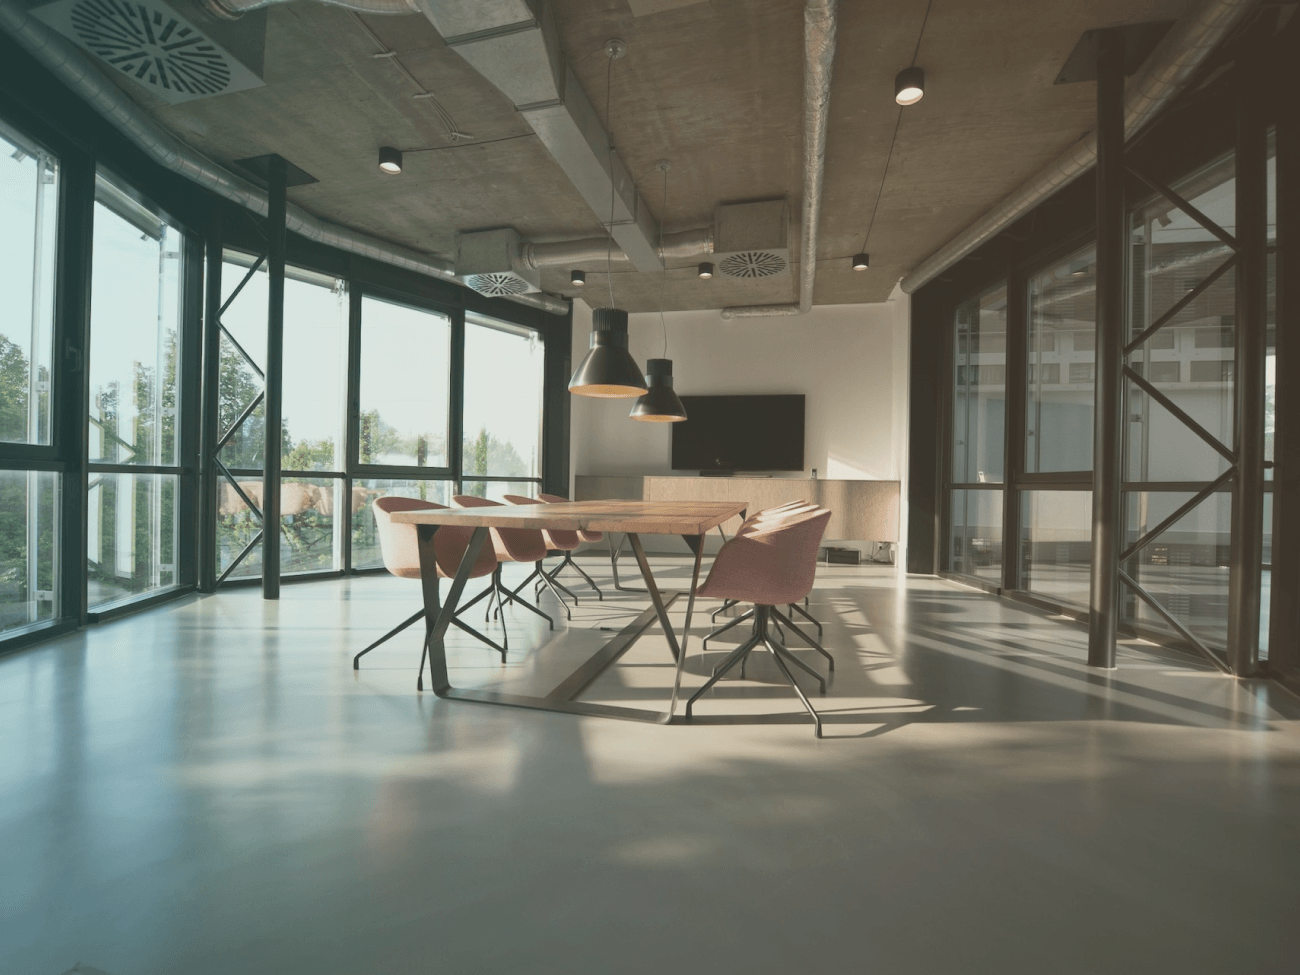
[
  {"x": 76, "y": 71},
  {"x": 819, "y": 58},
  {"x": 1167, "y": 71}
]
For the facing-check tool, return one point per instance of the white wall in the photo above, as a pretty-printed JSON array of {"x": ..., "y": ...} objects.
[{"x": 849, "y": 361}]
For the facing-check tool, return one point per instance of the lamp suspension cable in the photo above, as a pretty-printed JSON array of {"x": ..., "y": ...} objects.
[
  {"x": 614, "y": 53},
  {"x": 893, "y": 141},
  {"x": 663, "y": 165}
]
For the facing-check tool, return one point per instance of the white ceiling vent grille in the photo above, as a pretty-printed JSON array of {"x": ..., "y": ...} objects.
[
  {"x": 751, "y": 240},
  {"x": 152, "y": 45},
  {"x": 491, "y": 262},
  {"x": 753, "y": 264},
  {"x": 499, "y": 285}
]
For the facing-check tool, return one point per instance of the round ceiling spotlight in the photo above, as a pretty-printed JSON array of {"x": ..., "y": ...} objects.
[
  {"x": 390, "y": 160},
  {"x": 706, "y": 270},
  {"x": 909, "y": 86},
  {"x": 578, "y": 278},
  {"x": 861, "y": 262}
]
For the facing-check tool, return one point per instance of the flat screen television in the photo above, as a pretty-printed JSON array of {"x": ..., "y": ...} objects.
[{"x": 740, "y": 433}]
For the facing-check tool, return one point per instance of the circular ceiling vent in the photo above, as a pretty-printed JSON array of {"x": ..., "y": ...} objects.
[
  {"x": 752, "y": 264},
  {"x": 151, "y": 45},
  {"x": 498, "y": 284}
]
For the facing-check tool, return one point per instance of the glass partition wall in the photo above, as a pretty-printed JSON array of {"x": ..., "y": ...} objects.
[{"x": 1180, "y": 401}]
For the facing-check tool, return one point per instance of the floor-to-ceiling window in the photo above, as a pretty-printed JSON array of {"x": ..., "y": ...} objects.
[
  {"x": 978, "y": 436},
  {"x": 404, "y": 400},
  {"x": 1180, "y": 403},
  {"x": 30, "y": 478},
  {"x": 501, "y": 444},
  {"x": 1056, "y": 503},
  {"x": 135, "y": 416}
]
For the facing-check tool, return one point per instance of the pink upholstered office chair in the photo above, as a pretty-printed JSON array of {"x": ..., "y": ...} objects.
[
  {"x": 511, "y": 545},
  {"x": 400, "y": 547},
  {"x": 770, "y": 562},
  {"x": 567, "y": 562},
  {"x": 557, "y": 540},
  {"x": 767, "y": 515}
]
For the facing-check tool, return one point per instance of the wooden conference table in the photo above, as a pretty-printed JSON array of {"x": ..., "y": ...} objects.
[{"x": 690, "y": 519}]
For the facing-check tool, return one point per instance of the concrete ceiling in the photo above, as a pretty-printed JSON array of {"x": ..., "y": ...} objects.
[{"x": 713, "y": 87}]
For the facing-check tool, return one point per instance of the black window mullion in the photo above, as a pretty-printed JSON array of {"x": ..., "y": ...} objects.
[
  {"x": 70, "y": 388},
  {"x": 456, "y": 410},
  {"x": 188, "y": 404}
]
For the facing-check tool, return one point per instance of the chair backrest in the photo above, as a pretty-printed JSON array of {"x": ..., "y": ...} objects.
[
  {"x": 512, "y": 544},
  {"x": 400, "y": 547},
  {"x": 559, "y": 539},
  {"x": 774, "y": 561},
  {"x": 586, "y": 536}
]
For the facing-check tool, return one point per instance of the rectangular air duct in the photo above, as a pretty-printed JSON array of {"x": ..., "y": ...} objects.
[
  {"x": 178, "y": 58},
  {"x": 752, "y": 240},
  {"x": 491, "y": 262}
]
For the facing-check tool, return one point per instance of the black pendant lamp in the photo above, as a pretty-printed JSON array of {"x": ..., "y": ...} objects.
[
  {"x": 608, "y": 370},
  {"x": 660, "y": 404}
]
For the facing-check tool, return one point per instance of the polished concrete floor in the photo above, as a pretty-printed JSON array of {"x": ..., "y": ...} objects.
[{"x": 209, "y": 787}]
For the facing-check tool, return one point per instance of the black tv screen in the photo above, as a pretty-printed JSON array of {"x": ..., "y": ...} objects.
[{"x": 739, "y": 433}]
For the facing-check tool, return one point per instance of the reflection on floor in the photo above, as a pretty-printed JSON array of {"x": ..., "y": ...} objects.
[{"x": 208, "y": 787}]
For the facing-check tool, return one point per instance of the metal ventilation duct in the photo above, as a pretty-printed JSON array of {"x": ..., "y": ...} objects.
[
  {"x": 751, "y": 240},
  {"x": 67, "y": 64},
  {"x": 1168, "y": 69},
  {"x": 159, "y": 49},
  {"x": 491, "y": 262},
  {"x": 819, "y": 22}
]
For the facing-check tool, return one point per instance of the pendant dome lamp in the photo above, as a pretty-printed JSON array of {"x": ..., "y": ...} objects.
[
  {"x": 660, "y": 404},
  {"x": 608, "y": 370}
]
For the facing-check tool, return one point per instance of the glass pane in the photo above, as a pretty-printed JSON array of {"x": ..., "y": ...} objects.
[
  {"x": 237, "y": 525},
  {"x": 1186, "y": 568},
  {"x": 242, "y": 354},
  {"x": 497, "y": 490},
  {"x": 503, "y": 434},
  {"x": 29, "y": 204},
  {"x": 1056, "y": 544},
  {"x": 365, "y": 543},
  {"x": 1062, "y": 340},
  {"x": 311, "y": 538},
  {"x": 315, "y": 373},
  {"x": 976, "y": 543},
  {"x": 1190, "y": 359},
  {"x": 131, "y": 535},
  {"x": 29, "y": 544},
  {"x": 405, "y": 385},
  {"x": 135, "y": 318},
  {"x": 979, "y": 403}
]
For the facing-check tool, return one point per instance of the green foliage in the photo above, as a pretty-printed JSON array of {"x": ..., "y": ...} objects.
[{"x": 13, "y": 391}]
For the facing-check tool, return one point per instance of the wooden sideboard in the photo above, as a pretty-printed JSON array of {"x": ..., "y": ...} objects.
[{"x": 861, "y": 510}]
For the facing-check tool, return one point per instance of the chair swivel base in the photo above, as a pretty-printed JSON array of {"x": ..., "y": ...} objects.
[{"x": 780, "y": 654}]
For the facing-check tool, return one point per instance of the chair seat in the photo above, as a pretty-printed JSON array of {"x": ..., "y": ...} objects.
[{"x": 771, "y": 561}]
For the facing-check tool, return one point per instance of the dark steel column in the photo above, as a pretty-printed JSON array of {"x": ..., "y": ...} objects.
[
  {"x": 1107, "y": 450},
  {"x": 1284, "y": 615},
  {"x": 274, "y": 375},
  {"x": 209, "y": 420},
  {"x": 1247, "y": 552},
  {"x": 1014, "y": 453}
]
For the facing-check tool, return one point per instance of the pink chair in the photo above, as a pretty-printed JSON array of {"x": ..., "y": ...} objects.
[
  {"x": 762, "y": 517},
  {"x": 557, "y": 540},
  {"x": 771, "y": 561},
  {"x": 400, "y": 547},
  {"x": 568, "y": 562},
  {"x": 511, "y": 545}
]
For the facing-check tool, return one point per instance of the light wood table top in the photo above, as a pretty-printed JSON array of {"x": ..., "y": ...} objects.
[{"x": 644, "y": 517}]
